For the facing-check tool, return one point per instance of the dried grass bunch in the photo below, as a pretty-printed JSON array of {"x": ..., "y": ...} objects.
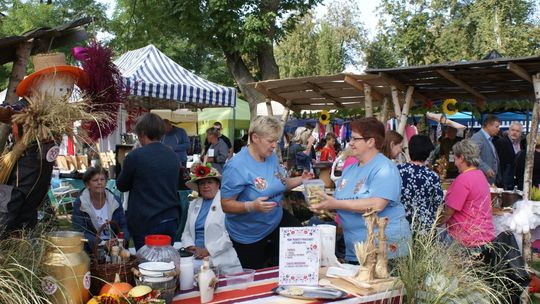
[
  {"x": 22, "y": 268},
  {"x": 46, "y": 119},
  {"x": 440, "y": 272}
]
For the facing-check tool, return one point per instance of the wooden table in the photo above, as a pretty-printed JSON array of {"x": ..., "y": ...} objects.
[{"x": 260, "y": 291}]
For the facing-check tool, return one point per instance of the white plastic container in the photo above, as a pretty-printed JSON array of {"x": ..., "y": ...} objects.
[
  {"x": 313, "y": 189},
  {"x": 186, "y": 270}
]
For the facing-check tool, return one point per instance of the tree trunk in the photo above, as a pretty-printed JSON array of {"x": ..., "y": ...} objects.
[
  {"x": 241, "y": 74},
  {"x": 267, "y": 63},
  {"x": 405, "y": 110},
  {"x": 17, "y": 74},
  {"x": 368, "y": 100},
  {"x": 395, "y": 101},
  {"x": 384, "y": 111},
  {"x": 529, "y": 163}
]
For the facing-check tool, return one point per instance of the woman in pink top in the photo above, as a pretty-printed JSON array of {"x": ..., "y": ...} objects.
[{"x": 468, "y": 214}]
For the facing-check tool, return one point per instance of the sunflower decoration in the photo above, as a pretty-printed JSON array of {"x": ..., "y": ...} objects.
[
  {"x": 450, "y": 106},
  {"x": 324, "y": 117}
]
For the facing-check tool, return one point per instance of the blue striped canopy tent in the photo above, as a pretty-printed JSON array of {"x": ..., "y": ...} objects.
[{"x": 149, "y": 73}]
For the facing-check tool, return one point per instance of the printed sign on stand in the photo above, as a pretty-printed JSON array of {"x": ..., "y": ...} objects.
[{"x": 299, "y": 256}]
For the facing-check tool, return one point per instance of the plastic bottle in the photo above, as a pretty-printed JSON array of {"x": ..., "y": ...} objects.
[
  {"x": 207, "y": 282},
  {"x": 186, "y": 270}
]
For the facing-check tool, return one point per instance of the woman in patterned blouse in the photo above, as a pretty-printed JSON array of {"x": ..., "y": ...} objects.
[{"x": 421, "y": 191}]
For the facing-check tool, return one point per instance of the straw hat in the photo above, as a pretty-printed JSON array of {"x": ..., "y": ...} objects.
[
  {"x": 51, "y": 64},
  {"x": 200, "y": 172}
]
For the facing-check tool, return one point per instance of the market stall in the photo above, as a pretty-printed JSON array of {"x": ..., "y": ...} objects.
[
  {"x": 472, "y": 85},
  {"x": 157, "y": 82},
  {"x": 207, "y": 117}
]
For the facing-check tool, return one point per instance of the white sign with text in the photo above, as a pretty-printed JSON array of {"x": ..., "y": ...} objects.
[{"x": 299, "y": 253}]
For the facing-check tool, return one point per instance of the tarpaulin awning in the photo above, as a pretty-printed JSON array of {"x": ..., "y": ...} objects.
[{"x": 150, "y": 73}]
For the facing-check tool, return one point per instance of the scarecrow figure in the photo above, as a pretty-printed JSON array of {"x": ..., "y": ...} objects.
[{"x": 29, "y": 167}]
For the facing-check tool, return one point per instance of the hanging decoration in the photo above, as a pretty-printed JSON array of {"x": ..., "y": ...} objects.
[
  {"x": 324, "y": 117},
  {"x": 105, "y": 87},
  {"x": 449, "y": 106}
]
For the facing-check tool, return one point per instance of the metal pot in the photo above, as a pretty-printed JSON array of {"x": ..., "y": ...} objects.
[{"x": 508, "y": 198}]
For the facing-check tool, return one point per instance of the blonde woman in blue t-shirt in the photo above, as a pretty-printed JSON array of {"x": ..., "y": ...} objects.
[{"x": 251, "y": 193}]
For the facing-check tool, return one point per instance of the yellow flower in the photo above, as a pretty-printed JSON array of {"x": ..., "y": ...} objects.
[
  {"x": 449, "y": 106},
  {"x": 324, "y": 117}
]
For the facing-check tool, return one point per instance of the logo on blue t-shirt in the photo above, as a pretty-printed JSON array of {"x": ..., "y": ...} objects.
[
  {"x": 260, "y": 183},
  {"x": 359, "y": 186}
]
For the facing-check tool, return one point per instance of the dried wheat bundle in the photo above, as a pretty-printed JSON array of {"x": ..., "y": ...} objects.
[{"x": 46, "y": 119}]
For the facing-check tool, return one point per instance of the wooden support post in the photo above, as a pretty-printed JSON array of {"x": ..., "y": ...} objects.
[
  {"x": 395, "y": 101},
  {"x": 269, "y": 109},
  {"x": 405, "y": 110},
  {"x": 368, "y": 101},
  {"x": 384, "y": 111},
  {"x": 284, "y": 119},
  {"x": 403, "y": 120},
  {"x": 17, "y": 74},
  {"x": 529, "y": 162}
]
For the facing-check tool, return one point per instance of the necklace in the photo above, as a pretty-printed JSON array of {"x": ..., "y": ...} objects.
[{"x": 469, "y": 169}]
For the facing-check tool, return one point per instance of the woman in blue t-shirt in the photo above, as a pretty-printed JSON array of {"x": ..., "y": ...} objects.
[
  {"x": 252, "y": 190},
  {"x": 373, "y": 183}
]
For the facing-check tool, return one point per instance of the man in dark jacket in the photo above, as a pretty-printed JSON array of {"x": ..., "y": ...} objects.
[
  {"x": 150, "y": 174},
  {"x": 507, "y": 148}
]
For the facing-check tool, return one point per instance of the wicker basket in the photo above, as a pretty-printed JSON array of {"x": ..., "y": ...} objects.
[{"x": 102, "y": 273}]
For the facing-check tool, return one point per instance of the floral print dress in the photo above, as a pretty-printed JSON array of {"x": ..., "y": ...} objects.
[{"x": 421, "y": 195}]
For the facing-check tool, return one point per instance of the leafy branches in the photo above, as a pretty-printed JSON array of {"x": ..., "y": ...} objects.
[{"x": 432, "y": 31}]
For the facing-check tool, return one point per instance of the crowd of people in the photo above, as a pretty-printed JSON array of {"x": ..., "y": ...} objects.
[{"x": 239, "y": 210}]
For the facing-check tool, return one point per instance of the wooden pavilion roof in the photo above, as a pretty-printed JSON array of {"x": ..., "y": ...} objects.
[
  {"x": 341, "y": 91},
  {"x": 475, "y": 81}
]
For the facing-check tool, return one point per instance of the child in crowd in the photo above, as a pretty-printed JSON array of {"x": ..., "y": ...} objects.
[{"x": 328, "y": 152}]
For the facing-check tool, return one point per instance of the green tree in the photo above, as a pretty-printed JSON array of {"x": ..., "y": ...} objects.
[
  {"x": 238, "y": 34},
  {"x": 425, "y": 32},
  {"x": 378, "y": 54},
  {"x": 325, "y": 46},
  {"x": 136, "y": 24},
  {"x": 296, "y": 54}
]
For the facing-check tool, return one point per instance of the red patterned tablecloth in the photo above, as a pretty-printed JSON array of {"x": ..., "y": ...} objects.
[{"x": 260, "y": 291}]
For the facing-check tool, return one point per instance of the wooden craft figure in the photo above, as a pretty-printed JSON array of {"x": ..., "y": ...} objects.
[{"x": 373, "y": 260}]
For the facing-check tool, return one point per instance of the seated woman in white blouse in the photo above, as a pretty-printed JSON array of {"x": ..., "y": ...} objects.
[{"x": 205, "y": 233}]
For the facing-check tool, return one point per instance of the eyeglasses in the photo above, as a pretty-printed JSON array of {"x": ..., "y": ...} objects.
[{"x": 355, "y": 139}]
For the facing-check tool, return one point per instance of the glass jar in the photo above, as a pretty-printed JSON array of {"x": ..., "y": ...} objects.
[{"x": 157, "y": 248}]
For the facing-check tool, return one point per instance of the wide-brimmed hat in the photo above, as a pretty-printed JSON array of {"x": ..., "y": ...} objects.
[
  {"x": 50, "y": 64},
  {"x": 200, "y": 172}
]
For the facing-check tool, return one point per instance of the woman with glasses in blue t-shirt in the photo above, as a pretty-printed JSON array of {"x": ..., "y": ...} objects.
[
  {"x": 252, "y": 189},
  {"x": 373, "y": 183}
]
